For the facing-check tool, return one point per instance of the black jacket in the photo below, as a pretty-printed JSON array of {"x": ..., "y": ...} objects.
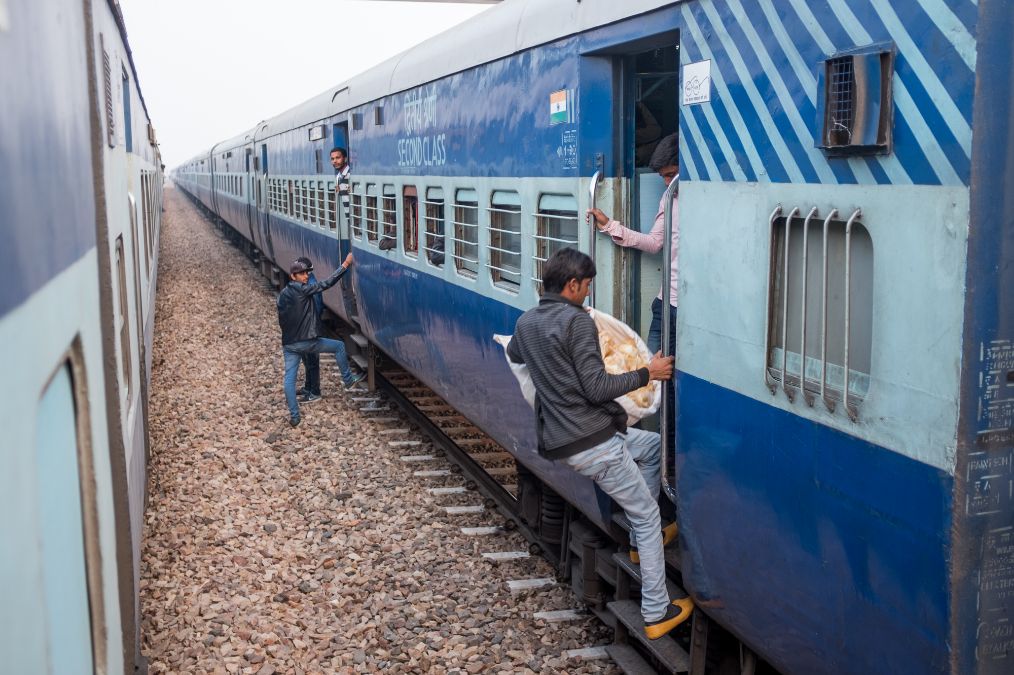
[
  {"x": 297, "y": 315},
  {"x": 574, "y": 404}
]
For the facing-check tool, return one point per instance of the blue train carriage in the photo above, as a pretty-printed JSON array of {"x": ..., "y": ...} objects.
[
  {"x": 845, "y": 331},
  {"x": 75, "y": 318}
]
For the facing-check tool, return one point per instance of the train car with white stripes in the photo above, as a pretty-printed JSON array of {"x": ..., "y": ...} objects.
[
  {"x": 80, "y": 209},
  {"x": 845, "y": 366}
]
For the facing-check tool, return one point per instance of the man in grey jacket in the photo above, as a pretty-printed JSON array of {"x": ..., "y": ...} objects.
[{"x": 579, "y": 422}]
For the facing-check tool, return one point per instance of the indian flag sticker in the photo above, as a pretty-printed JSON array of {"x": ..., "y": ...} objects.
[{"x": 558, "y": 107}]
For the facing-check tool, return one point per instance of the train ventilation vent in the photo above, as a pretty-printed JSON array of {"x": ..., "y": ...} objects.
[
  {"x": 818, "y": 340},
  {"x": 107, "y": 79},
  {"x": 357, "y": 121},
  {"x": 378, "y": 116},
  {"x": 855, "y": 104}
]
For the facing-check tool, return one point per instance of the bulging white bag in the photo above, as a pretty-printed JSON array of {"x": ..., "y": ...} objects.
[{"x": 623, "y": 350}]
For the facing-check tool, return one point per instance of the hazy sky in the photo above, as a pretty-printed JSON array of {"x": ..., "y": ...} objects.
[{"x": 211, "y": 69}]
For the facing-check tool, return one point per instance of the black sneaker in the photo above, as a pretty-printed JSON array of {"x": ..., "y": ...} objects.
[
  {"x": 675, "y": 614},
  {"x": 309, "y": 398},
  {"x": 294, "y": 421},
  {"x": 302, "y": 391},
  {"x": 354, "y": 380}
]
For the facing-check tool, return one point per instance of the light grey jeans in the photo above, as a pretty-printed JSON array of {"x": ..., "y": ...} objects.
[{"x": 627, "y": 468}]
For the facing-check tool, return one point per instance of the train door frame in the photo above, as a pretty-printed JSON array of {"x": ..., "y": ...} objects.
[
  {"x": 340, "y": 138},
  {"x": 260, "y": 203}
]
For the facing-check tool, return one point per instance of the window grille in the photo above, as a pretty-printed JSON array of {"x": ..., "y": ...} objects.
[
  {"x": 820, "y": 308},
  {"x": 505, "y": 239},
  {"x": 331, "y": 205},
  {"x": 410, "y": 210},
  {"x": 841, "y": 99},
  {"x": 322, "y": 214},
  {"x": 107, "y": 79},
  {"x": 291, "y": 199},
  {"x": 122, "y": 316},
  {"x": 466, "y": 232},
  {"x": 556, "y": 227},
  {"x": 371, "y": 223},
  {"x": 389, "y": 217},
  {"x": 434, "y": 239},
  {"x": 356, "y": 206}
]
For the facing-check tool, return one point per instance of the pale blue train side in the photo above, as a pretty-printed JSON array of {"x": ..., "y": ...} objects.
[
  {"x": 845, "y": 368},
  {"x": 80, "y": 211}
]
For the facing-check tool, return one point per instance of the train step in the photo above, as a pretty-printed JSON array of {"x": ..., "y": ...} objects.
[
  {"x": 673, "y": 657},
  {"x": 628, "y": 660},
  {"x": 360, "y": 361},
  {"x": 672, "y": 552},
  {"x": 633, "y": 570},
  {"x": 361, "y": 340}
]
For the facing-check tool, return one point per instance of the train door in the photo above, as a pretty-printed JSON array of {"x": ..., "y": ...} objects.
[
  {"x": 340, "y": 134},
  {"x": 249, "y": 194},
  {"x": 650, "y": 114},
  {"x": 260, "y": 202}
]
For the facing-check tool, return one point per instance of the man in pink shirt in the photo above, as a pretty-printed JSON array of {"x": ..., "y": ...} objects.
[{"x": 664, "y": 160}]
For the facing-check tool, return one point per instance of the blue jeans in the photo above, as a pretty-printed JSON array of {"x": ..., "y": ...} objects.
[
  {"x": 655, "y": 330},
  {"x": 295, "y": 352},
  {"x": 627, "y": 468},
  {"x": 311, "y": 366}
]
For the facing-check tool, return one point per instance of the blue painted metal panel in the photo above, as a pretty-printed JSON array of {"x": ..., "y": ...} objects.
[
  {"x": 825, "y": 553},
  {"x": 983, "y": 572},
  {"x": 47, "y": 204}
]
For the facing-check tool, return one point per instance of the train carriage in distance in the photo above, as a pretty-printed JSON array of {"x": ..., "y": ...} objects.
[
  {"x": 845, "y": 361},
  {"x": 80, "y": 212}
]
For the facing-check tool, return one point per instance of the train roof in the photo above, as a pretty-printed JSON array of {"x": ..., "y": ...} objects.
[{"x": 508, "y": 28}]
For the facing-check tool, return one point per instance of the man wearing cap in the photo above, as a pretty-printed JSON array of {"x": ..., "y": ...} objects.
[
  {"x": 301, "y": 329},
  {"x": 310, "y": 393}
]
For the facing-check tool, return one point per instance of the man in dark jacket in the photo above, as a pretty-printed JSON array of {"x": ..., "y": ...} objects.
[
  {"x": 580, "y": 423},
  {"x": 310, "y": 393},
  {"x": 301, "y": 329}
]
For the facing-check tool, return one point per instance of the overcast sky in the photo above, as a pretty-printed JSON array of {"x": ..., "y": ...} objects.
[{"x": 211, "y": 69}]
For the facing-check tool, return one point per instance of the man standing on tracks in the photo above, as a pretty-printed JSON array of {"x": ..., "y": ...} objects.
[
  {"x": 302, "y": 331},
  {"x": 578, "y": 421},
  {"x": 310, "y": 393}
]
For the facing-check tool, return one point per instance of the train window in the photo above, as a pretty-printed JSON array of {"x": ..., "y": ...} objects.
[
  {"x": 466, "y": 232},
  {"x": 371, "y": 212},
  {"x": 556, "y": 227},
  {"x": 820, "y": 308},
  {"x": 304, "y": 202},
  {"x": 410, "y": 209},
  {"x": 290, "y": 200},
  {"x": 332, "y": 212},
  {"x": 505, "y": 239},
  {"x": 322, "y": 212},
  {"x": 389, "y": 217},
  {"x": 318, "y": 158},
  {"x": 378, "y": 116},
  {"x": 122, "y": 316},
  {"x": 311, "y": 199},
  {"x": 356, "y": 206},
  {"x": 434, "y": 241}
]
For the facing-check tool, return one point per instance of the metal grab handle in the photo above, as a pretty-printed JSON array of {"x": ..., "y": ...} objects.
[
  {"x": 807, "y": 396},
  {"x": 852, "y": 411},
  {"x": 593, "y": 186},
  {"x": 667, "y": 489},
  {"x": 828, "y": 402},
  {"x": 785, "y": 306},
  {"x": 768, "y": 380}
]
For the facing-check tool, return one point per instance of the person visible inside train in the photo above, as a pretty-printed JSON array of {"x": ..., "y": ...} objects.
[
  {"x": 302, "y": 330},
  {"x": 665, "y": 161},
  {"x": 343, "y": 180},
  {"x": 310, "y": 392},
  {"x": 579, "y": 422}
]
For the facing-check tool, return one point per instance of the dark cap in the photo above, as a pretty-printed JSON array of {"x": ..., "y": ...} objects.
[
  {"x": 306, "y": 261},
  {"x": 299, "y": 266}
]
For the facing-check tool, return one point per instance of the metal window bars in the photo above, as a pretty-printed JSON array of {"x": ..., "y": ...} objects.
[
  {"x": 466, "y": 238},
  {"x": 371, "y": 224},
  {"x": 389, "y": 214},
  {"x": 323, "y": 215},
  {"x": 797, "y": 372},
  {"x": 505, "y": 244},
  {"x": 332, "y": 212},
  {"x": 553, "y": 230},
  {"x": 356, "y": 207},
  {"x": 434, "y": 224}
]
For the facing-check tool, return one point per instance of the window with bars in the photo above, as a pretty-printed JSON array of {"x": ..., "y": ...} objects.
[
  {"x": 410, "y": 211},
  {"x": 356, "y": 206},
  {"x": 466, "y": 232},
  {"x": 291, "y": 197},
  {"x": 556, "y": 227},
  {"x": 331, "y": 205},
  {"x": 371, "y": 223},
  {"x": 123, "y": 316},
  {"x": 820, "y": 308},
  {"x": 505, "y": 239},
  {"x": 389, "y": 217},
  {"x": 434, "y": 222}
]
